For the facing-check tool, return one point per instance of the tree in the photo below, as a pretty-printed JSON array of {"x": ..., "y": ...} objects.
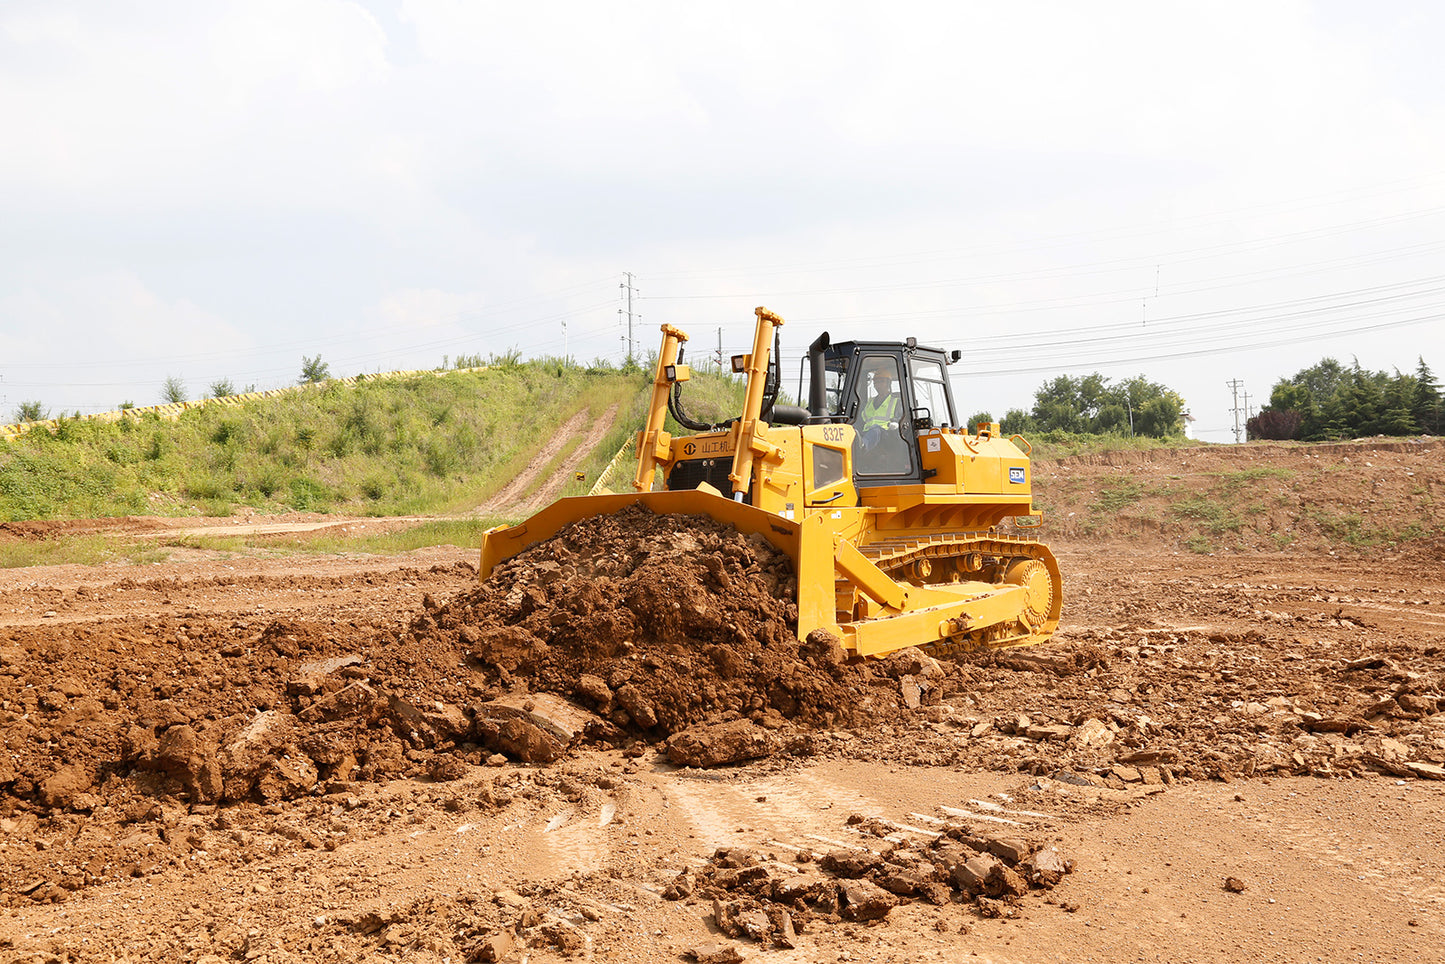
[
  {"x": 1426, "y": 406},
  {"x": 222, "y": 387},
  {"x": 1274, "y": 425},
  {"x": 1016, "y": 422},
  {"x": 980, "y": 418},
  {"x": 1397, "y": 402},
  {"x": 1094, "y": 404},
  {"x": 314, "y": 370},
  {"x": 1332, "y": 401},
  {"x": 173, "y": 390},
  {"x": 30, "y": 412}
]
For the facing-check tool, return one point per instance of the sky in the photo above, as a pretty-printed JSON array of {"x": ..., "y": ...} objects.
[{"x": 1203, "y": 194}]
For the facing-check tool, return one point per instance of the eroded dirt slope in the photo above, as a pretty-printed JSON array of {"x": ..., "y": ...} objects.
[{"x": 1376, "y": 496}]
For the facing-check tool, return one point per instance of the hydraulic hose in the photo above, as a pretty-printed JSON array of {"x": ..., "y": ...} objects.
[{"x": 674, "y": 406}]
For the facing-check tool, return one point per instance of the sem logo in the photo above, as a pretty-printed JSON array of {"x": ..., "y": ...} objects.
[
  {"x": 689, "y": 448},
  {"x": 1016, "y": 476}
]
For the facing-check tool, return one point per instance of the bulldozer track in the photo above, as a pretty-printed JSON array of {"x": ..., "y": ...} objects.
[
  {"x": 894, "y": 556},
  {"x": 987, "y": 557}
]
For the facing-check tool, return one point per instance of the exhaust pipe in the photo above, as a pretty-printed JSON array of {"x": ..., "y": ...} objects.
[{"x": 817, "y": 390}]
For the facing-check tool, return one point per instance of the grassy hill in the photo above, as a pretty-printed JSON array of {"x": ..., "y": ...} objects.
[
  {"x": 401, "y": 446},
  {"x": 432, "y": 443}
]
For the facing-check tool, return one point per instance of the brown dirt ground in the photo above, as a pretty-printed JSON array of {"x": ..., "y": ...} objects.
[{"x": 324, "y": 759}]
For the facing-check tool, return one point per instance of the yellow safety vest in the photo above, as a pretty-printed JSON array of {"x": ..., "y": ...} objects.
[{"x": 879, "y": 410}]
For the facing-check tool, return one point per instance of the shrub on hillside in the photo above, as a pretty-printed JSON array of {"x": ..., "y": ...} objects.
[{"x": 1275, "y": 425}]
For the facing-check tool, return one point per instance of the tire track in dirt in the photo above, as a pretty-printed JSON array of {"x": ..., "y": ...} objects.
[
  {"x": 522, "y": 494},
  {"x": 797, "y": 807},
  {"x": 574, "y": 839},
  {"x": 548, "y": 493}
]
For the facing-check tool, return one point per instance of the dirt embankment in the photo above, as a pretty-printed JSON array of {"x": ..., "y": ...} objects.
[{"x": 1348, "y": 497}]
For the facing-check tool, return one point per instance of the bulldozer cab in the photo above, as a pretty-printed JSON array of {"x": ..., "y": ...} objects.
[{"x": 887, "y": 391}]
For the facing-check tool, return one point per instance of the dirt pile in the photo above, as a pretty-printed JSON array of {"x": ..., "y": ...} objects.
[
  {"x": 1147, "y": 707},
  {"x": 656, "y": 624},
  {"x": 208, "y": 711},
  {"x": 756, "y": 896}
]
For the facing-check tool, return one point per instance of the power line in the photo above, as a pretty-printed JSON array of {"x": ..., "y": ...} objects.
[{"x": 1143, "y": 261}]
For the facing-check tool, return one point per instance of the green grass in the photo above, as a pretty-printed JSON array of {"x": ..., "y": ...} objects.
[
  {"x": 222, "y": 544},
  {"x": 1115, "y": 494},
  {"x": 1200, "y": 544},
  {"x": 95, "y": 549},
  {"x": 463, "y": 533},
  {"x": 1058, "y": 445},
  {"x": 67, "y": 550},
  {"x": 1354, "y": 529},
  {"x": 1212, "y": 515},
  {"x": 404, "y": 446},
  {"x": 1235, "y": 481}
]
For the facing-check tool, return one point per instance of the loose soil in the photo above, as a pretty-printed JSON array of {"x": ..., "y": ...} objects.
[{"x": 616, "y": 749}]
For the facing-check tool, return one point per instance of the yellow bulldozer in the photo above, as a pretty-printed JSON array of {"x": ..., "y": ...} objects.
[{"x": 889, "y": 508}]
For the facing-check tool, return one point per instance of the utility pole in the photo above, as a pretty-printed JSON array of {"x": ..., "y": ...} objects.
[
  {"x": 628, "y": 292},
  {"x": 1235, "y": 385},
  {"x": 719, "y": 349},
  {"x": 565, "y": 362}
]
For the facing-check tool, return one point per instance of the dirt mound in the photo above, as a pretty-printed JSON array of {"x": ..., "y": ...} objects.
[
  {"x": 657, "y": 623},
  {"x": 211, "y": 710}
]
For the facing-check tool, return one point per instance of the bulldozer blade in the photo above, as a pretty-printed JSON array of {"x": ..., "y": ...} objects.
[
  {"x": 504, "y": 542},
  {"x": 904, "y": 615}
]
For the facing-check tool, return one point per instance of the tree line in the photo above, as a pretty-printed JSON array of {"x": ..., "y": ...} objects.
[
  {"x": 1095, "y": 405},
  {"x": 1331, "y": 401}
]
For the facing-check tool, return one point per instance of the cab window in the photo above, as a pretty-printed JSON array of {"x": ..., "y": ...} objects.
[
  {"x": 880, "y": 418},
  {"x": 930, "y": 391}
]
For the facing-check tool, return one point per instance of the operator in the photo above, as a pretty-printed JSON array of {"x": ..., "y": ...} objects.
[{"x": 881, "y": 412}]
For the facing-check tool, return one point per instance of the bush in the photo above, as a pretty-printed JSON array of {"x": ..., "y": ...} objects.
[
  {"x": 1275, "y": 425},
  {"x": 173, "y": 390},
  {"x": 314, "y": 370},
  {"x": 30, "y": 412}
]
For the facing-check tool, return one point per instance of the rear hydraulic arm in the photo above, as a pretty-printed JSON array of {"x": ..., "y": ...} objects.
[
  {"x": 652, "y": 442},
  {"x": 747, "y": 435}
]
